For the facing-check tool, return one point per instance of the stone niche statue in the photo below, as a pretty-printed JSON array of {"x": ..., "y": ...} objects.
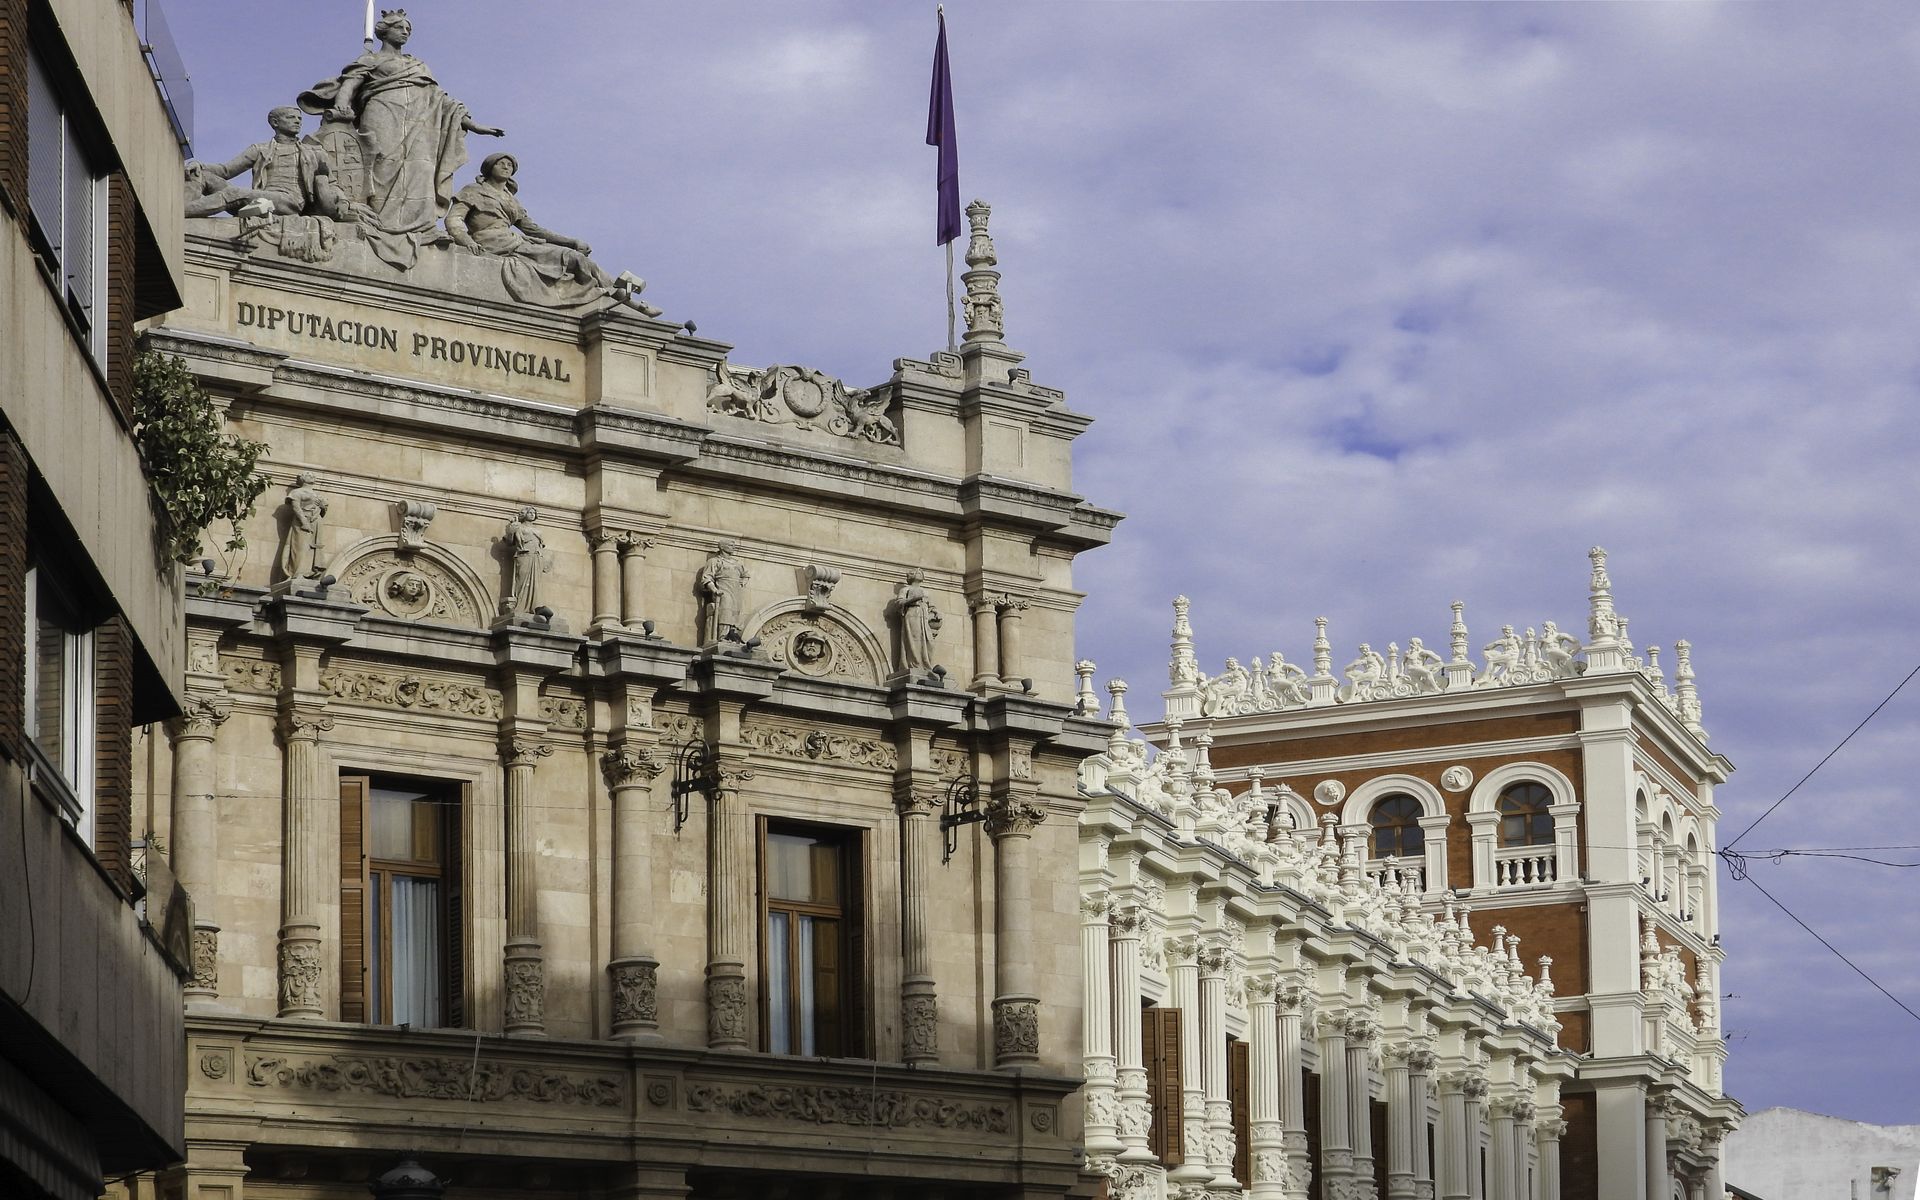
[
  {"x": 303, "y": 555},
  {"x": 919, "y": 623},
  {"x": 539, "y": 266},
  {"x": 527, "y": 560},
  {"x": 722, "y": 584},
  {"x": 396, "y": 139}
]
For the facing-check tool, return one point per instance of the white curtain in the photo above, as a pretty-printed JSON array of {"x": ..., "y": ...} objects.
[
  {"x": 779, "y": 1010},
  {"x": 416, "y": 952}
]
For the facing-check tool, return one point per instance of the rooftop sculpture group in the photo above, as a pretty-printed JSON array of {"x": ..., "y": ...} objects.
[{"x": 383, "y": 162}]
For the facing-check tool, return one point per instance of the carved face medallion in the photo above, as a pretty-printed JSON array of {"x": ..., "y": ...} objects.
[{"x": 810, "y": 649}]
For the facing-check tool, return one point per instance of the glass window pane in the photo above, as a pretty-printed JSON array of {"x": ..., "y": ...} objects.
[
  {"x": 787, "y": 873},
  {"x": 44, "y": 146},
  {"x": 416, "y": 952},
  {"x": 77, "y": 259},
  {"x": 825, "y": 874},
  {"x": 403, "y": 824},
  {"x": 779, "y": 985}
]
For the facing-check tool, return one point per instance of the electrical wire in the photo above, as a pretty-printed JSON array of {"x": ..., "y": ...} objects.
[
  {"x": 1829, "y": 945},
  {"x": 1829, "y": 754}
]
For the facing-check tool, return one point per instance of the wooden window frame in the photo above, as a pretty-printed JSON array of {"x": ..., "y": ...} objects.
[
  {"x": 1401, "y": 829},
  {"x": 1534, "y": 814},
  {"x": 357, "y": 870},
  {"x": 1160, "y": 1054},
  {"x": 851, "y": 913}
]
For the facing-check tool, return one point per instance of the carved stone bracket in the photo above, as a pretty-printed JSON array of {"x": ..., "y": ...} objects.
[{"x": 1007, "y": 816}]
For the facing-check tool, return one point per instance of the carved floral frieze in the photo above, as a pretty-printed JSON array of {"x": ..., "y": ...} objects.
[
  {"x": 250, "y": 675},
  {"x": 804, "y": 398},
  {"x": 563, "y": 712},
  {"x": 421, "y": 1078},
  {"x": 818, "y": 745},
  {"x": 860, "y": 1106},
  {"x": 406, "y": 691}
]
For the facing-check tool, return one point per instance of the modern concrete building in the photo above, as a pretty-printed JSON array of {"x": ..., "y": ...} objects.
[
  {"x": 1556, "y": 798},
  {"x": 90, "y": 607},
  {"x": 1780, "y": 1153},
  {"x": 634, "y": 774}
]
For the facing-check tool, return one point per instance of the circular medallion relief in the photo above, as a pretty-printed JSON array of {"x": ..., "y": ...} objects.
[
  {"x": 1456, "y": 779},
  {"x": 804, "y": 396},
  {"x": 1330, "y": 791}
]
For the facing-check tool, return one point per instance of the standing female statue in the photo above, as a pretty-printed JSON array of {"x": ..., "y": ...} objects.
[{"x": 412, "y": 136}]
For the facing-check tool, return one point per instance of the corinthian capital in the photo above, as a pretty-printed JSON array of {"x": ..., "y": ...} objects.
[
  {"x": 1008, "y": 816},
  {"x": 629, "y": 766},
  {"x": 202, "y": 715},
  {"x": 524, "y": 752},
  {"x": 305, "y": 726},
  {"x": 1213, "y": 958},
  {"x": 1125, "y": 922}
]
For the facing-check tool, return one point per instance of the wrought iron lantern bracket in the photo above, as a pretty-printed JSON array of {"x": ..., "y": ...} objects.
[
  {"x": 962, "y": 807},
  {"x": 695, "y": 769}
]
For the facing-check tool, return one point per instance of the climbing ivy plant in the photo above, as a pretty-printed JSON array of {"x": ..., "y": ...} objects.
[{"x": 200, "y": 474}]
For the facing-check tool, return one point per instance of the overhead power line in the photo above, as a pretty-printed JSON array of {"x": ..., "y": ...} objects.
[
  {"x": 1741, "y": 874},
  {"x": 1829, "y": 754}
]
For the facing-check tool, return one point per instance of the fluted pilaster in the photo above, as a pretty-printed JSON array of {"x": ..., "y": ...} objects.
[
  {"x": 1016, "y": 1000},
  {"x": 195, "y": 852},
  {"x": 524, "y": 963},
  {"x": 919, "y": 1001},
  {"x": 632, "y": 971},
  {"x": 301, "y": 854},
  {"x": 727, "y": 897},
  {"x": 1131, "y": 1075}
]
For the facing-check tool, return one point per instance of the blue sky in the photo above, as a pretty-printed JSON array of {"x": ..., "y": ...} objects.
[{"x": 1377, "y": 307}]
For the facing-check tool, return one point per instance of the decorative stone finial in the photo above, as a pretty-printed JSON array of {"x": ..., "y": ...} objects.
[
  {"x": 1117, "y": 688},
  {"x": 1085, "y": 702},
  {"x": 986, "y": 321},
  {"x": 1322, "y": 649},
  {"x": 1603, "y": 625},
  {"x": 1458, "y": 634},
  {"x": 1686, "y": 696}
]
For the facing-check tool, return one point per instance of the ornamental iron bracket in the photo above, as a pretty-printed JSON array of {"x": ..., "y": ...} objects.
[
  {"x": 962, "y": 807},
  {"x": 695, "y": 769}
]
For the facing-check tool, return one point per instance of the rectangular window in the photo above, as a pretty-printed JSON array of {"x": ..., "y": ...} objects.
[
  {"x": 400, "y": 903},
  {"x": 60, "y": 694},
  {"x": 1160, "y": 1054},
  {"x": 811, "y": 940},
  {"x": 66, "y": 203}
]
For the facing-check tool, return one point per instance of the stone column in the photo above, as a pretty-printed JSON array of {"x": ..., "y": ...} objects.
[
  {"x": 1548, "y": 1134},
  {"x": 986, "y": 641},
  {"x": 1419, "y": 1082},
  {"x": 1184, "y": 975},
  {"x": 1476, "y": 1094},
  {"x": 1098, "y": 1062},
  {"x": 1710, "y": 1145},
  {"x": 300, "y": 857},
  {"x": 630, "y": 770},
  {"x": 1011, "y": 609},
  {"x": 728, "y": 893},
  {"x": 633, "y": 564},
  {"x": 1523, "y": 1114},
  {"x": 1291, "y": 1001},
  {"x": 1400, "y": 1122},
  {"x": 1131, "y": 1073},
  {"x": 919, "y": 1003},
  {"x": 1659, "y": 1179},
  {"x": 1213, "y": 960},
  {"x": 1456, "y": 1142},
  {"x": 1500, "y": 1153},
  {"x": 1267, "y": 1154},
  {"x": 1336, "y": 1130},
  {"x": 525, "y": 986},
  {"x": 195, "y": 834},
  {"x": 606, "y": 577},
  {"x": 1016, "y": 999},
  {"x": 1363, "y": 1031}
]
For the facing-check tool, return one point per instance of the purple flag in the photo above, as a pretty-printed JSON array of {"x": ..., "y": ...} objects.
[{"x": 940, "y": 133}]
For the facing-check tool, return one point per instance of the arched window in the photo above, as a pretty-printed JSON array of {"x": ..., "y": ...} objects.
[
  {"x": 1396, "y": 827},
  {"x": 1524, "y": 819}
]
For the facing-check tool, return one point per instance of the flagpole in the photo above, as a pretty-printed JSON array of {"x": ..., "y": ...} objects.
[
  {"x": 940, "y": 13},
  {"x": 369, "y": 32}
]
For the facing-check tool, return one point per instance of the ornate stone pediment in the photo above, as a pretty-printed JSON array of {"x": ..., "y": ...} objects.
[
  {"x": 828, "y": 644},
  {"x": 424, "y": 584}
]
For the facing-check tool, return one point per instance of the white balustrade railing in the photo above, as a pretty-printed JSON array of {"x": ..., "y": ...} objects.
[{"x": 1524, "y": 866}]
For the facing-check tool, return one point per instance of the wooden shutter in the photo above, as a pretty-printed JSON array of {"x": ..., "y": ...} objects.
[
  {"x": 856, "y": 974},
  {"x": 13, "y": 575},
  {"x": 1239, "y": 1097},
  {"x": 1377, "y": 1114},
  {"x": 1160, "y": 1052},
  {"x": 353, "y": 898},
  {"x": 112, "y": 750},
  {"x": 454, "y": 882}
]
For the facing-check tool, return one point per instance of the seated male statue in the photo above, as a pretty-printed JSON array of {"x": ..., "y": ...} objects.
[{"x": 289, "y": 178}]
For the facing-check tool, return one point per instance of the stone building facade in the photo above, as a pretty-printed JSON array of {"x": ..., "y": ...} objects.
[
  {"x": 613, "y": 771},
  {"x": 93, "y": 942},
  {"x": 1301, "y": 874}
]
